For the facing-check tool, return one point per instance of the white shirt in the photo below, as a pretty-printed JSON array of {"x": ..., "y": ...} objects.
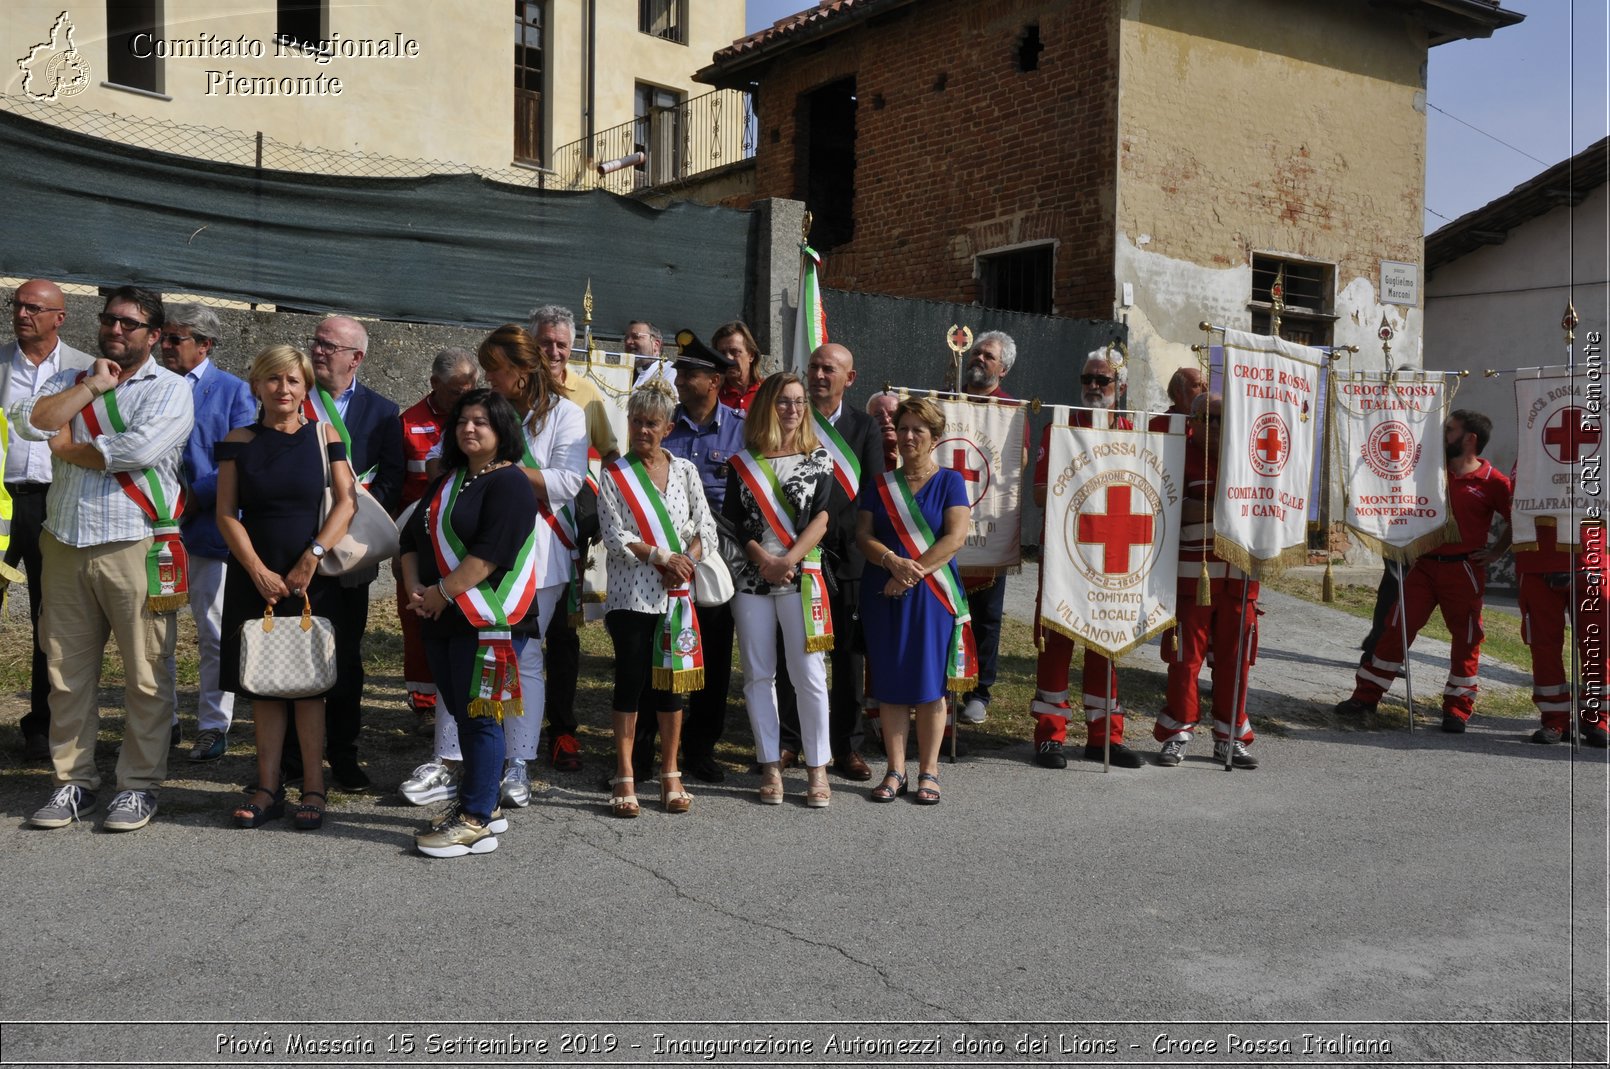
[
  {"x": 660, "y": 369},
  {"x": 26, "y": 461},
  {"x": 87, "y": 507},
  {"x": 636, "y": 585}
]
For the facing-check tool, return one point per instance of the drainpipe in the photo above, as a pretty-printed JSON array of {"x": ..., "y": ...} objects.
[{"x": 592, "y": 54}]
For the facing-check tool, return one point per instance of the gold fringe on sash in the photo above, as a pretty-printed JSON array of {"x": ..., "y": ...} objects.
[
  {"x": 495, "y": 709},
  {"x": 685, "y": 681},
  {"x": 165, "y": 603},
  {"x": 962, "y": 683},
  {"x": 819, "y": 643}
]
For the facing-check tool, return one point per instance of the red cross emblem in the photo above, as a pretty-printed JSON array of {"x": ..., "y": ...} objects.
[
  {"x": 970, "y": 462},
  {"x": 1569, "y": 438},
  {"x": 1394, "y": 445},
  {"x": 1391, "y": 451},
  {"x": 1270, "y": 444},
  {"x": 1118, "y": 531}
]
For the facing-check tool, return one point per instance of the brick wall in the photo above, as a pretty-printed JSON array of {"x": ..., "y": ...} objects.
[{"x": 958, "y": 151}]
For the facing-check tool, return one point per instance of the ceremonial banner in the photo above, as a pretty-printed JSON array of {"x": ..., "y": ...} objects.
[
  {"x": 1112, "y": 533},
  {"x": 810, "y": 321},
  {"x": 1266, "y": 454},
  {"x": 984, "y": 443},
  {"x": 1390, "y": 447},
  {"x": 614, "y": 382},
  {"x": 1559, "y": 465}
]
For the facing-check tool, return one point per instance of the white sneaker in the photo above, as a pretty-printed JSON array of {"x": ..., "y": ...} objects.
[
  {"x": 975, "y": 712},
  {"x": 130, "y": 811},
  {"x": 433, "y": 781},
  {"x": 516, "y": 784}
]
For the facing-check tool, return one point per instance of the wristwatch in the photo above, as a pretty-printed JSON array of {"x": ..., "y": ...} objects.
[{"x": 317, "y": 550}]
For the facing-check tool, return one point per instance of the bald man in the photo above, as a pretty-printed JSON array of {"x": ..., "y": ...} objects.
[{"x": 35, "y": 353}]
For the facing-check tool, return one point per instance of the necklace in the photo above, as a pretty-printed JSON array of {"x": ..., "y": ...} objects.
[
  {"x": 494, "y": 466},
  {"x": 915, "y": 476}
]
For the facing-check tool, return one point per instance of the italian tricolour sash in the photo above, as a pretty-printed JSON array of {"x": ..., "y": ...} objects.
[
  {"x": 678, "y": 647},
  {"x": 911, "y": 527},
  {"x": 495, "y": 686},
  {"x": 167, "y": 565},
  {"x": 563, "y": 525},
  {"x": 320, "y": 407},
  {"x": 846, "y": 465},
  {"x": 759, "y": 476}
]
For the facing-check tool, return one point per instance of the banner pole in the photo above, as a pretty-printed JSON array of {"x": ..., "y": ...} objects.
[
  {"x": 1568, "y": 323},
  {"x": 1237, "y": 691},
  {"x": 1112, "y": 702},
  {"x": 1403, "y": 633}
]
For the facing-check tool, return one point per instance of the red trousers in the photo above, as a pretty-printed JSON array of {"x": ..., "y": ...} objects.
[
  {"x": 1050, "y": 707},
  {"x": 1221, "y": 628},
  {"x": 1454, "y": 586},
  {"x": 1544, "y": 607},
  {"x": 416, "y": 670}
]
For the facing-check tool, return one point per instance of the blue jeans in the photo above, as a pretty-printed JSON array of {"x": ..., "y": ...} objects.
[
  {"x": 452, "y": 665},
  {"x": 987, "y": 607}
]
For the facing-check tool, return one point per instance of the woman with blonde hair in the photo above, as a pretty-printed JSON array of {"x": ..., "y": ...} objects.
[
  {"x": 737, "y": 343},
  {"x": 777, "y": 498},
  {"x": 271, "y": 480},
  {"x": 554, "y": 460},
  {"x": 913, "y": 609}
]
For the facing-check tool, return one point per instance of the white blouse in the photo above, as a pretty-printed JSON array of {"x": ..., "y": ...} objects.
[
  {"x": 634, "y": 584},
  {"x": 560, "y": 447}
]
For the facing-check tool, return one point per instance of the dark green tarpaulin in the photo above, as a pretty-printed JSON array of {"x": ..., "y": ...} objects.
[{"x": 444, "y": 249}]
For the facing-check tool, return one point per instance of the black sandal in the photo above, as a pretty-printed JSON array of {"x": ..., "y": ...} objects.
[
  {"x": 309, "y": 817},
  {"x": 251, "y": 815},
  {"x": 927, "y": 795},
  {"x": 885, "y": 793}
]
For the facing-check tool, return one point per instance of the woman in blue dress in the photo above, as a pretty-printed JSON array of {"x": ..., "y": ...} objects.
[{"x": 908, "y": 629}]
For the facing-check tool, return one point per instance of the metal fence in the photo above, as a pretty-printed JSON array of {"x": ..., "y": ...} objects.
[{"x": 663, "y": 146}]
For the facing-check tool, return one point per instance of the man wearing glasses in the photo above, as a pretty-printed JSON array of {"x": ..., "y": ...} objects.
[
  {"x": 644, "y": 341},
  {"x": 36, "y": 353},
  {"x": 1101, "y": 386},
  {"x": 116, "y": 433},
  {"x": 222, "y": 403}
]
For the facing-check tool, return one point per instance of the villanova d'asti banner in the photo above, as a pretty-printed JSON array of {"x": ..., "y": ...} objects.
[
  {"x": 984, "y": 443},
  {"x": 1559, "y": 463},
  {"x": 1271, "y": 388},
  {"x": 1390, "y": 444},
  {"x": 1112, "y": 508}
]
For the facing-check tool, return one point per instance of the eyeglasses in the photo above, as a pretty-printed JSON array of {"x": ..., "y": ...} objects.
[
  {"x": 320, "y": 345},
  {"x": 129, "y": 325},
  {"x": 177, "y": 339},
  {"x": 29, "y": 309},
  {"x": 785, "y": 402},
  {"x": 1096, "y": 380}
]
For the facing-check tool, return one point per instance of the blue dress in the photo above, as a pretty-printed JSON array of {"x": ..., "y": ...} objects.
[{"x": 907, "y": 639}]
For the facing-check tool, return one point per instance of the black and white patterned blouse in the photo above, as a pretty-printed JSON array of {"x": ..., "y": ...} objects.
[
  {"x": 636, "y": 585},
  {"x": 806, "y": 481}
]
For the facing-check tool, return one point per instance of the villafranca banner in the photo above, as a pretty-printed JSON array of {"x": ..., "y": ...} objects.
[
  {"x": 1559, "y": 464},
  {"x": 1271, "y": 387},
  {"x": 1390, "y": 447},
  {"x": 1112, "y": 509}
]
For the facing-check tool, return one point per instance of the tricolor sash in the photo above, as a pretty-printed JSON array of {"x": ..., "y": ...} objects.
[
  {"x": 167, "y": 564},
  {"x": 757, "y": 473},
  {"x": 320, "y": 407},
  {"x": 8, "y": 574},
  {"x": 495, "y": 685},
  {"x": 563, "y": 525},
  {"x": 678, "y": 646},
  {"x": 911, "y": 527},
  {"x": 846, "y": 465}
]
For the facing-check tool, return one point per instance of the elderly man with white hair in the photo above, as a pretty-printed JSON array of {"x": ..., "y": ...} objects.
[{"x": 1101, "y": 385}]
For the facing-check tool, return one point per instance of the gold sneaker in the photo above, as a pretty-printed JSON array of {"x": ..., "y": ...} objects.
[{"x": 458, "y": 836}]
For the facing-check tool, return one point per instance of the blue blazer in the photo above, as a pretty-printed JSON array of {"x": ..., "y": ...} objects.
[{"x": 223, "y": 403}]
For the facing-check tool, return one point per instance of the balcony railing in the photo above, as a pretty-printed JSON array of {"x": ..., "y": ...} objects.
[{"x": 666, "y": 145}]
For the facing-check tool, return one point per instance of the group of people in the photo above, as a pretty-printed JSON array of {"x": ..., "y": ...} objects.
[{"x": 149, "y": 477}]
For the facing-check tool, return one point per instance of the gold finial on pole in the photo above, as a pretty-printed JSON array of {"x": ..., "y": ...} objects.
[
  {"x": 1277, "y": 301},
  {"x": 589, "y": 343},
  {"x": 805, "y": 226},
  {"x": 1568, "y": 322},
  {"x": 1385, "y": 333},
  {"x": 587, "y": 305},
  {"x": 960, "y": 339}
]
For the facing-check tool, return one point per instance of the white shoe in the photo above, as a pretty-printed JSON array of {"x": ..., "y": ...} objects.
[
  {"x": 975, "y": 712},
  {"x": 516, "y": 784},
  {"x": 433, "y": 781}
]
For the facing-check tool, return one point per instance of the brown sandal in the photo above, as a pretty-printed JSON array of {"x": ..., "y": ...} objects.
[{"x": 677, "y": 801}]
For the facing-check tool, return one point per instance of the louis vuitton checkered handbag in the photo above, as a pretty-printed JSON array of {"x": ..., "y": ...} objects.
[{"x": 287, "y": 656}]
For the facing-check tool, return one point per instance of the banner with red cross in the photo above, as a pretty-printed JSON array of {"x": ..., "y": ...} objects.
[
  {"x": 985, "y": 441},
  {"x": 1266, "y": 460},
  {"x": 1112, "y": 508},
  {"x": 1559, "y": 461},
  {"x": 1389, "y": 447}
]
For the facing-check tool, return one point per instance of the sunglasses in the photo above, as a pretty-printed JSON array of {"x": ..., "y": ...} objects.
[
  {"x": 1096, "y": 380},
  {"x": 129, "y": 325}
]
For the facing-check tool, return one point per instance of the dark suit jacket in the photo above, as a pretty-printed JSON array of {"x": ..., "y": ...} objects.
[
  {"x": 376, "y": 429},
  {"x": 223, "y": 402},
  {"x": 861, "y": 434}
]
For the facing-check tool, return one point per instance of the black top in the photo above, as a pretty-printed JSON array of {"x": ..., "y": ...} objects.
[{"x": 493, "y": 517}]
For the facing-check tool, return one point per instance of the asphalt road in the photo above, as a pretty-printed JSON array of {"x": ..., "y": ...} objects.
[{"x": 1442, "y": 895}]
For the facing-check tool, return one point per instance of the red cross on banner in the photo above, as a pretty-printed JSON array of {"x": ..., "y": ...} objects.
[
  {"x": 1394, "y": 446},
  {"x": 1269, "y": 445},
  {"x": 1566, "y": 436},
  {"x": 1118, "y": 530}
]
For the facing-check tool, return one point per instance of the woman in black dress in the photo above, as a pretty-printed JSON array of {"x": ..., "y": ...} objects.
[{"x": 270, "y": 493}]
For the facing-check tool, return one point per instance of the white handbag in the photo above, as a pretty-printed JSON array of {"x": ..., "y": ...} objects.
[
  {"x": 371, "y": 536},
  {"x": 287, "y": 656},
  {"x": 712, "y": 582}
]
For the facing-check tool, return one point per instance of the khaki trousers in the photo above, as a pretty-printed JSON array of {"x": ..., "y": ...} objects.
[{"x": 90, "y": 594}]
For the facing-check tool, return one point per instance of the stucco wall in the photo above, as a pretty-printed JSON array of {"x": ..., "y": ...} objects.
[
  {"x": 1263, "y": 126},
  {"x": 1500, "y": 307}
]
